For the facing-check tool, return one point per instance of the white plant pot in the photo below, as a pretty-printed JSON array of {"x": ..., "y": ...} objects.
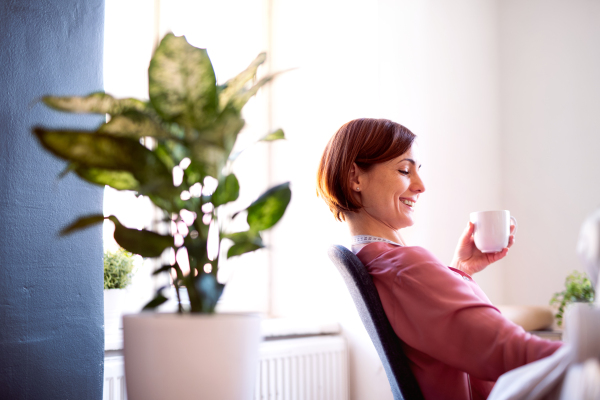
[
  {"x": 173, "y": 356},
  {"x": 113, "y": 310}
]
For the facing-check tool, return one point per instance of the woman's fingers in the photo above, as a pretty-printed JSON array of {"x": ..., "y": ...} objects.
[
  {"x": 512, "y": 228},
  {"x": 503, "y": 253},
  {"x": 498, "y": 256},
  {"x": 511, "y": 240},
  {"x": 467, "y": 234},
  {"x": 465, "y": 238}
]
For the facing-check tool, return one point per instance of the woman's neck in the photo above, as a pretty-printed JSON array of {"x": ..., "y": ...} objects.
[{"x": 361, "y": 223}]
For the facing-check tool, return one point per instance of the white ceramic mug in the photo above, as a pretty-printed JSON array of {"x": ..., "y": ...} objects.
[{"x": 492, "y": 229}]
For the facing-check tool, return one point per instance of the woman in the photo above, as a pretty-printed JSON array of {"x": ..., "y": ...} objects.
[{"x": 457, "y": 342}]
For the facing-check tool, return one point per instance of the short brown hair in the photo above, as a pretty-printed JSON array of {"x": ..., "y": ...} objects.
[{"x": 364, "y": 141}]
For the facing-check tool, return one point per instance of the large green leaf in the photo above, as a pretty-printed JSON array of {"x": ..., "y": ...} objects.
[
  {"x": 276, "y": 135},
  {"x": 213, "y": 146},
  {"x": 224, "y": 131},
  {"x": 155, "y": 302},
  {"x": 164, "y": 268},
  {"x": 98, "y": 103},
  {"x": 228, "y": 190},
  {"x": 265, "y": 211},
  {"x": 171, "y": 153},
  {"x": 120, "y": 180},
  {"x": 244, "y": 242},
  {"x": 82, "y": 223},
  {"x": 106, "y": 152},
  {"x": 96, "y": 150},
  {"x": 182, "y": 83},
  {"x": 239, "y": 100},
  {"x": 234, "y": 85},
  {"x": 242, "y": 248},
  {"x": 228, "y": 126},
  {"x": 270, "y": 137},
  {"x": 143, "y": 242},
  {"x": 208, "y": 159},
  {"x": 134, "y": 124}
]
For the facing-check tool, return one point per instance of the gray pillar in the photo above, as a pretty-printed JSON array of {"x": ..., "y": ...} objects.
[{"x": 51, "y": 310}]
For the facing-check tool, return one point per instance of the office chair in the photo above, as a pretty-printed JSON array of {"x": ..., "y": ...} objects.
[{"x": 364, "y": 293}]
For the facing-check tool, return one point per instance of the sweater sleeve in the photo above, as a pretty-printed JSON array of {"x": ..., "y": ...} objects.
[{"x": 435, "y": 311}]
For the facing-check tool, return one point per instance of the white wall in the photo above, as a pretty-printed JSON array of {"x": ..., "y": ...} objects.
[
  {"x": 504, "y": 96},
  {"x": 432, "y": 66},
  {"x": 459, "y": 124},
  {"x": 550, "y": 60}
]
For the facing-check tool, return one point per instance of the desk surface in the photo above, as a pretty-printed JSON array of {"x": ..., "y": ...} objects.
[{"x": 550, "y": 335}]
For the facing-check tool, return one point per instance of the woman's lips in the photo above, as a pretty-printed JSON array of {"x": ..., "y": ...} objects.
[{"x": 408, "y": 202}]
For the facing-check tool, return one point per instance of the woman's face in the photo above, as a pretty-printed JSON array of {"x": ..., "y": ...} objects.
[{"x": 389, "y": 191}]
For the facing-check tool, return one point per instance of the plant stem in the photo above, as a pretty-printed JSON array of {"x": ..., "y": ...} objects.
[{"x": 176, "y": 284}]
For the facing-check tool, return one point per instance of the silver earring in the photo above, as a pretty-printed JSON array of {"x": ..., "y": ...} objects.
[{"x": 357, "y": 188}]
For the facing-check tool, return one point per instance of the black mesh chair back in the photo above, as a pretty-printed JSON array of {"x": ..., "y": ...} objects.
[{"x": 364, "y": 293}]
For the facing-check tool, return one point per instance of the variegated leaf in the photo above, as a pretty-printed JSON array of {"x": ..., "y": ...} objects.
[
  {"x": 182, "y": 83},
  {"x": 134, "y": 124},
  {"x": 96, "y": 103},
  {"x": 234, "y": 85}
]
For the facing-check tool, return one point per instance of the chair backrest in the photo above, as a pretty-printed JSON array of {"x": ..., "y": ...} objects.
[{"x": 389, "y": 347}]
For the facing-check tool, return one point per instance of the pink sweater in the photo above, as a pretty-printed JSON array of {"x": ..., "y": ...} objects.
[{"x": 456, "y": 340}]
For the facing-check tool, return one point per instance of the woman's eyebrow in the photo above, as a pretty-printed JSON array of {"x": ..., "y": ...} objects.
[{"x": 410, "y": 160}]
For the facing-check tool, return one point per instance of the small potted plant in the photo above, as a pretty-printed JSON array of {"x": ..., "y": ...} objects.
[
  {"x": 578, "y": 289},
  {"x": 118, "y": 266},
  {"x": 192, "y": 122}
]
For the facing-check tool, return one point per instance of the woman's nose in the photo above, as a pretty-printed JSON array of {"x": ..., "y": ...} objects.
[{"x": 417, "y": 185}]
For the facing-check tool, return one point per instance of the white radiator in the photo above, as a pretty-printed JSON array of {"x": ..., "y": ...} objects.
[
  {"x": 311, "y": 368},
  {"x": 114, "y": 379}
]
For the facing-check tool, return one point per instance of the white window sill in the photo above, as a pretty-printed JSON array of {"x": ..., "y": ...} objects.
[
  {"x": 271, "y": 328},
  {"x": 113, "y": 341}
]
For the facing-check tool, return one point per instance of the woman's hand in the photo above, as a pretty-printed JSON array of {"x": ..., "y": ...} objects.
[{"x": 469, "y": 259}]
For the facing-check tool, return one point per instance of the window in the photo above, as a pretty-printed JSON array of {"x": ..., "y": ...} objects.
[{"x": 233, "y": 40}]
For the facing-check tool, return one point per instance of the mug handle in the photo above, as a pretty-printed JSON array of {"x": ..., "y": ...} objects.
[{"x": 513, "y": 219}]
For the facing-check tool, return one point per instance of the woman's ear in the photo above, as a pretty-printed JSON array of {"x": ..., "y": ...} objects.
[{"x": 356, "y": 177}]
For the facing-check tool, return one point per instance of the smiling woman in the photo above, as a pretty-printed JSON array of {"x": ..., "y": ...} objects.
[
  {"x": 388, "y": 192},
  {"x": 359, "y": 144},
  {"x": 456, "y": 341}
]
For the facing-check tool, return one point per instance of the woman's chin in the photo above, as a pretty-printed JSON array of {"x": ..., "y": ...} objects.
[{"x": 405, "y": 223}]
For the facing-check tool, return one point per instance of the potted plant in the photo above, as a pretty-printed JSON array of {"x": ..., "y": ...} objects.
[
  {"x": 118, "y": 266},
  {"x": 578, "y": 289},
  {"x": 193, "y": 123}
]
